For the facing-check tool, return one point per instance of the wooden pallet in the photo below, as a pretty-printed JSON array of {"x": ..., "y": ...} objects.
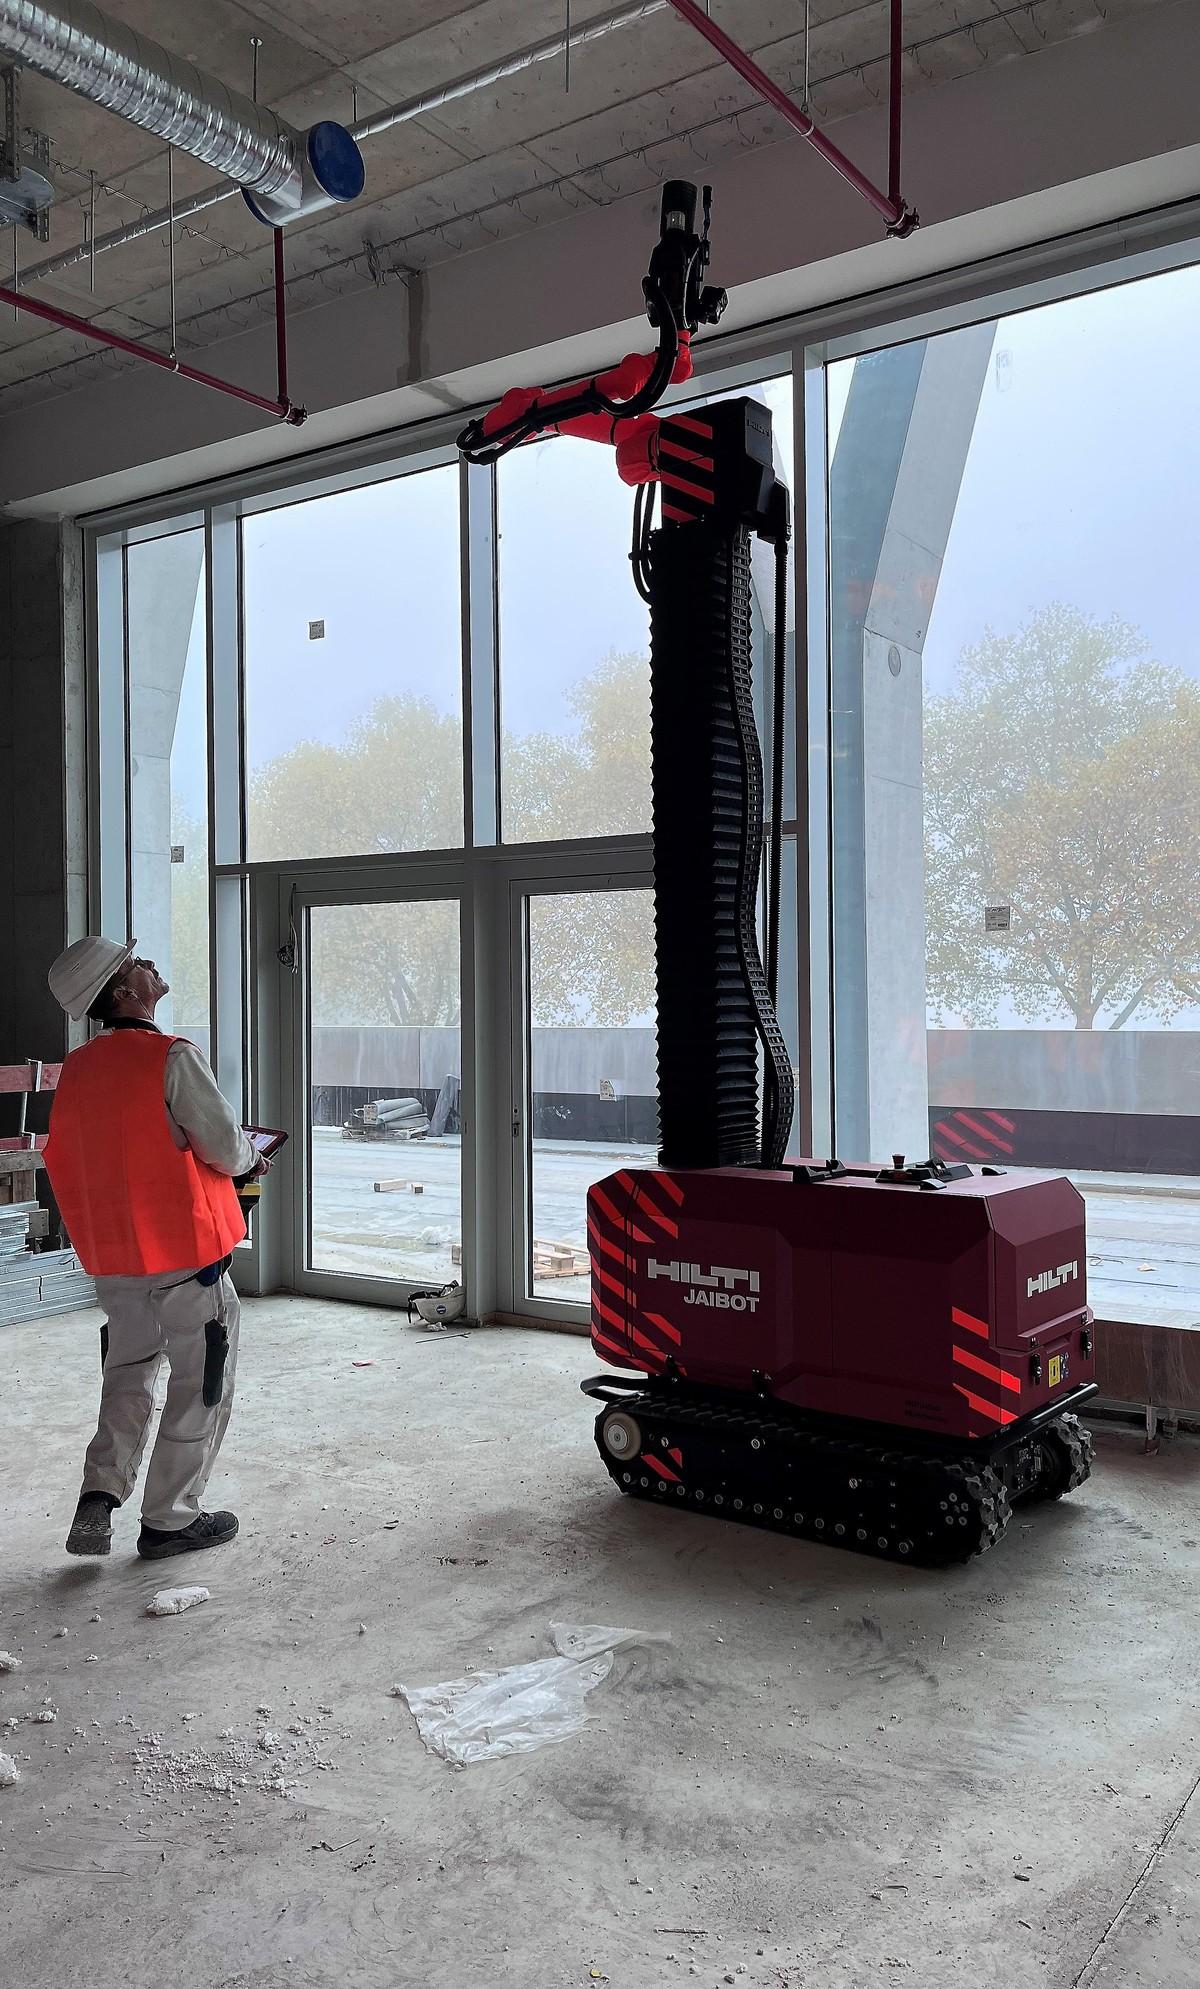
[{"x": 559, "y": 1260}]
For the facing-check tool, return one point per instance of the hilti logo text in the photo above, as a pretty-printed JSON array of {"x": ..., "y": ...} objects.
[
  {"x": 718, "y": 1286},
  {"x": 1050, "y": 1280}
]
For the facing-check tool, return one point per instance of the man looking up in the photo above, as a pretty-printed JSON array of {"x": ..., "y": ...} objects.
[{"x": 142, "y": 1155}]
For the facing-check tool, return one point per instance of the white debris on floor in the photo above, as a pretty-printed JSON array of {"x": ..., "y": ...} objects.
[
  {"x": 173, "y": 1601},
  {"x": 10, "y": 1774},
  {"x": 235, "y": 1766},
  {"x": 8, "y": 1662},
  {"x": 525, "y": 1706}
]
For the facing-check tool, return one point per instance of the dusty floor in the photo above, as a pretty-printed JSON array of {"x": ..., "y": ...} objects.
[{"x": 836, "y": 1774}]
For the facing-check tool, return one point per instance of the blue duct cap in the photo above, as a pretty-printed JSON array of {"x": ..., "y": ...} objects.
[{"x": 336, "y": 161}]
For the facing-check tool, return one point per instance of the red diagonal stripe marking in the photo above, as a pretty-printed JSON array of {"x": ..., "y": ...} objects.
[
  {"x": 696, "y": 457},
  {"x": 664, "y": 1326},
  {"x": 663, "y": 1470},
  {"x": 675, "y": 1452},
  {"x": 600, "y": 1339},
  {"x": 607, "y": 1208},
  {"x": 985, "y": 1132},
  {"x": 670, "y": 1188},
  {"x": 693, "y": 490},
  {"x": 988, "y": 1369},
  {"x": 602, "y": 1242},
  {"x": 693, "y": 426},
  {"x": 969, "y": 1323},
  {"x": 649, "y": 1346},
  {"x": 976, "y": 1152},
  {"x": 998, "y": 1118},
  {"x": 612, "y": 1284},
  {"x": 983, "y": 1408},
  {"x": 665, "y": 1222}
]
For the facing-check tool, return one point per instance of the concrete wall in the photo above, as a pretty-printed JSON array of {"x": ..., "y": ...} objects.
[
  {"x": 43, "y": 882},
  {"x": 1149, "y": 1071},
  {"x": 1155, "y": 1072},
  {"x": 564, "y": 1060}
]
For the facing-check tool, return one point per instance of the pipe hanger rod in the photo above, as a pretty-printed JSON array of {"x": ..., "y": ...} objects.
[{"x": 899, "y": 216}]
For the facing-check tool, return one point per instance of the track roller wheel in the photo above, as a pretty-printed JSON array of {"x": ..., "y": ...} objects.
[
  {"x": 1066, "y": 1449},
  {"x": 621, "y": 1436}
]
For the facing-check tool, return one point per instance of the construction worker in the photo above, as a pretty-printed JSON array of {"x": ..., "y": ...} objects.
[{"x": 142, "y": 1156}]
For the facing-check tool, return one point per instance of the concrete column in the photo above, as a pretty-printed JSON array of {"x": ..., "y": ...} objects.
[
  {"x": 164, "y": 579},
  {"x": 43, "y": 779},
  {"x": 895, "y": 479}
]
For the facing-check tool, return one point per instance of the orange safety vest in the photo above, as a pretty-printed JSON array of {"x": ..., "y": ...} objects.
[{"x": 134, "y": 1205}]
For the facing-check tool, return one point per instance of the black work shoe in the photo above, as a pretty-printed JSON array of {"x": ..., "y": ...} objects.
[
  {"x": 211, "y": 1529},
  {"x": 91, "y": 1528}
]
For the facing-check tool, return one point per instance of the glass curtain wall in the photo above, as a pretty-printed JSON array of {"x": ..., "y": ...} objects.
[
  {"x": 1002, "y": 683},
  {"x": 352, "y": 667},
  {"x": 1016, "y": 754},
  {"x": 168, "y": 772}
]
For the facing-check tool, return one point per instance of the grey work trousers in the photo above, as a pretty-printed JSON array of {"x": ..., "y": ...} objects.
[{"x": 195, "y": 1327}]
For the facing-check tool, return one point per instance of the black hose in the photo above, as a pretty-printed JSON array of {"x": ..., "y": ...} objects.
[
  {"x": 480, "y": 446},
  {"x": 778, "y": 712},
  {"x": 639, "y": 554}
]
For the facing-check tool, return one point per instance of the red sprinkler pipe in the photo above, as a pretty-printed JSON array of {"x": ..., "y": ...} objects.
[
  {"x": 280, "y": 321},
  {"x": 283, "y": 409},
  {"x": 900, "y": 218}
]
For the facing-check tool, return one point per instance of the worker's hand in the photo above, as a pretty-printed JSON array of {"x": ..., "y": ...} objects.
[{"x": 261, "y": 1166}]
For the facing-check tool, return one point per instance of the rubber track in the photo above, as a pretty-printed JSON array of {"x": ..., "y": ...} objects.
[{"x": 761, "y": 1470}]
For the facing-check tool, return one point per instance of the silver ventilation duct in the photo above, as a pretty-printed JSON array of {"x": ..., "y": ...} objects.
[{"x": 74, "y": 44}]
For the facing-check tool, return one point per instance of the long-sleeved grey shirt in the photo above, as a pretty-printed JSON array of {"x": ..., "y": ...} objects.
[{"x": 201, "y": 1116}]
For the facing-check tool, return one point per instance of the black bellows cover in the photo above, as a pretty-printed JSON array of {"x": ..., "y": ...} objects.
[{"x": 708, "y": 818}]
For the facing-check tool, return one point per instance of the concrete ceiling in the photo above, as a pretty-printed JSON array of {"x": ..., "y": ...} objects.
[{"x": 646, "y": 102}]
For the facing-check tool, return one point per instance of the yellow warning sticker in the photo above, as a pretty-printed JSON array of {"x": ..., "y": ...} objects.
[{"x": 1056, "y": 1368}]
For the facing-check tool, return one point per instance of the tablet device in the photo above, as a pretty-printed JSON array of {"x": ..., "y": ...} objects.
[{"x": 264, "y": 1140}]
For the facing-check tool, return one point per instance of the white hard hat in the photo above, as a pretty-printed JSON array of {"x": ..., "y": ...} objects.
[{"x": 79, "y": 974}]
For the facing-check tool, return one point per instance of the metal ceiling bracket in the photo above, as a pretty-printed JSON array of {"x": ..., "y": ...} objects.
[{"x": 26, "y": 193}]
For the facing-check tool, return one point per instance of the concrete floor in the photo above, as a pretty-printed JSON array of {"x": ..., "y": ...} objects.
[{"x": 836, "y": 1774}]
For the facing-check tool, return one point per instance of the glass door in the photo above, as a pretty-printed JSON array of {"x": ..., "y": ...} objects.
[
  {"x": 378, "y": 1074},
  {"x": 585, "y": 1086}
]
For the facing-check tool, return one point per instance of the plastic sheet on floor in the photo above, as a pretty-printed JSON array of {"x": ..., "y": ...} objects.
[{"x": 525, "y": 1706}]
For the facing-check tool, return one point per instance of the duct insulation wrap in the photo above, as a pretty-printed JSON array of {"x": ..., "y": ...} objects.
[{"x": 75, "y": 44}]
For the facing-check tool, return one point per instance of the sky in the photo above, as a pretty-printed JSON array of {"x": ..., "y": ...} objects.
[{"x": 1080, "y": 480}]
